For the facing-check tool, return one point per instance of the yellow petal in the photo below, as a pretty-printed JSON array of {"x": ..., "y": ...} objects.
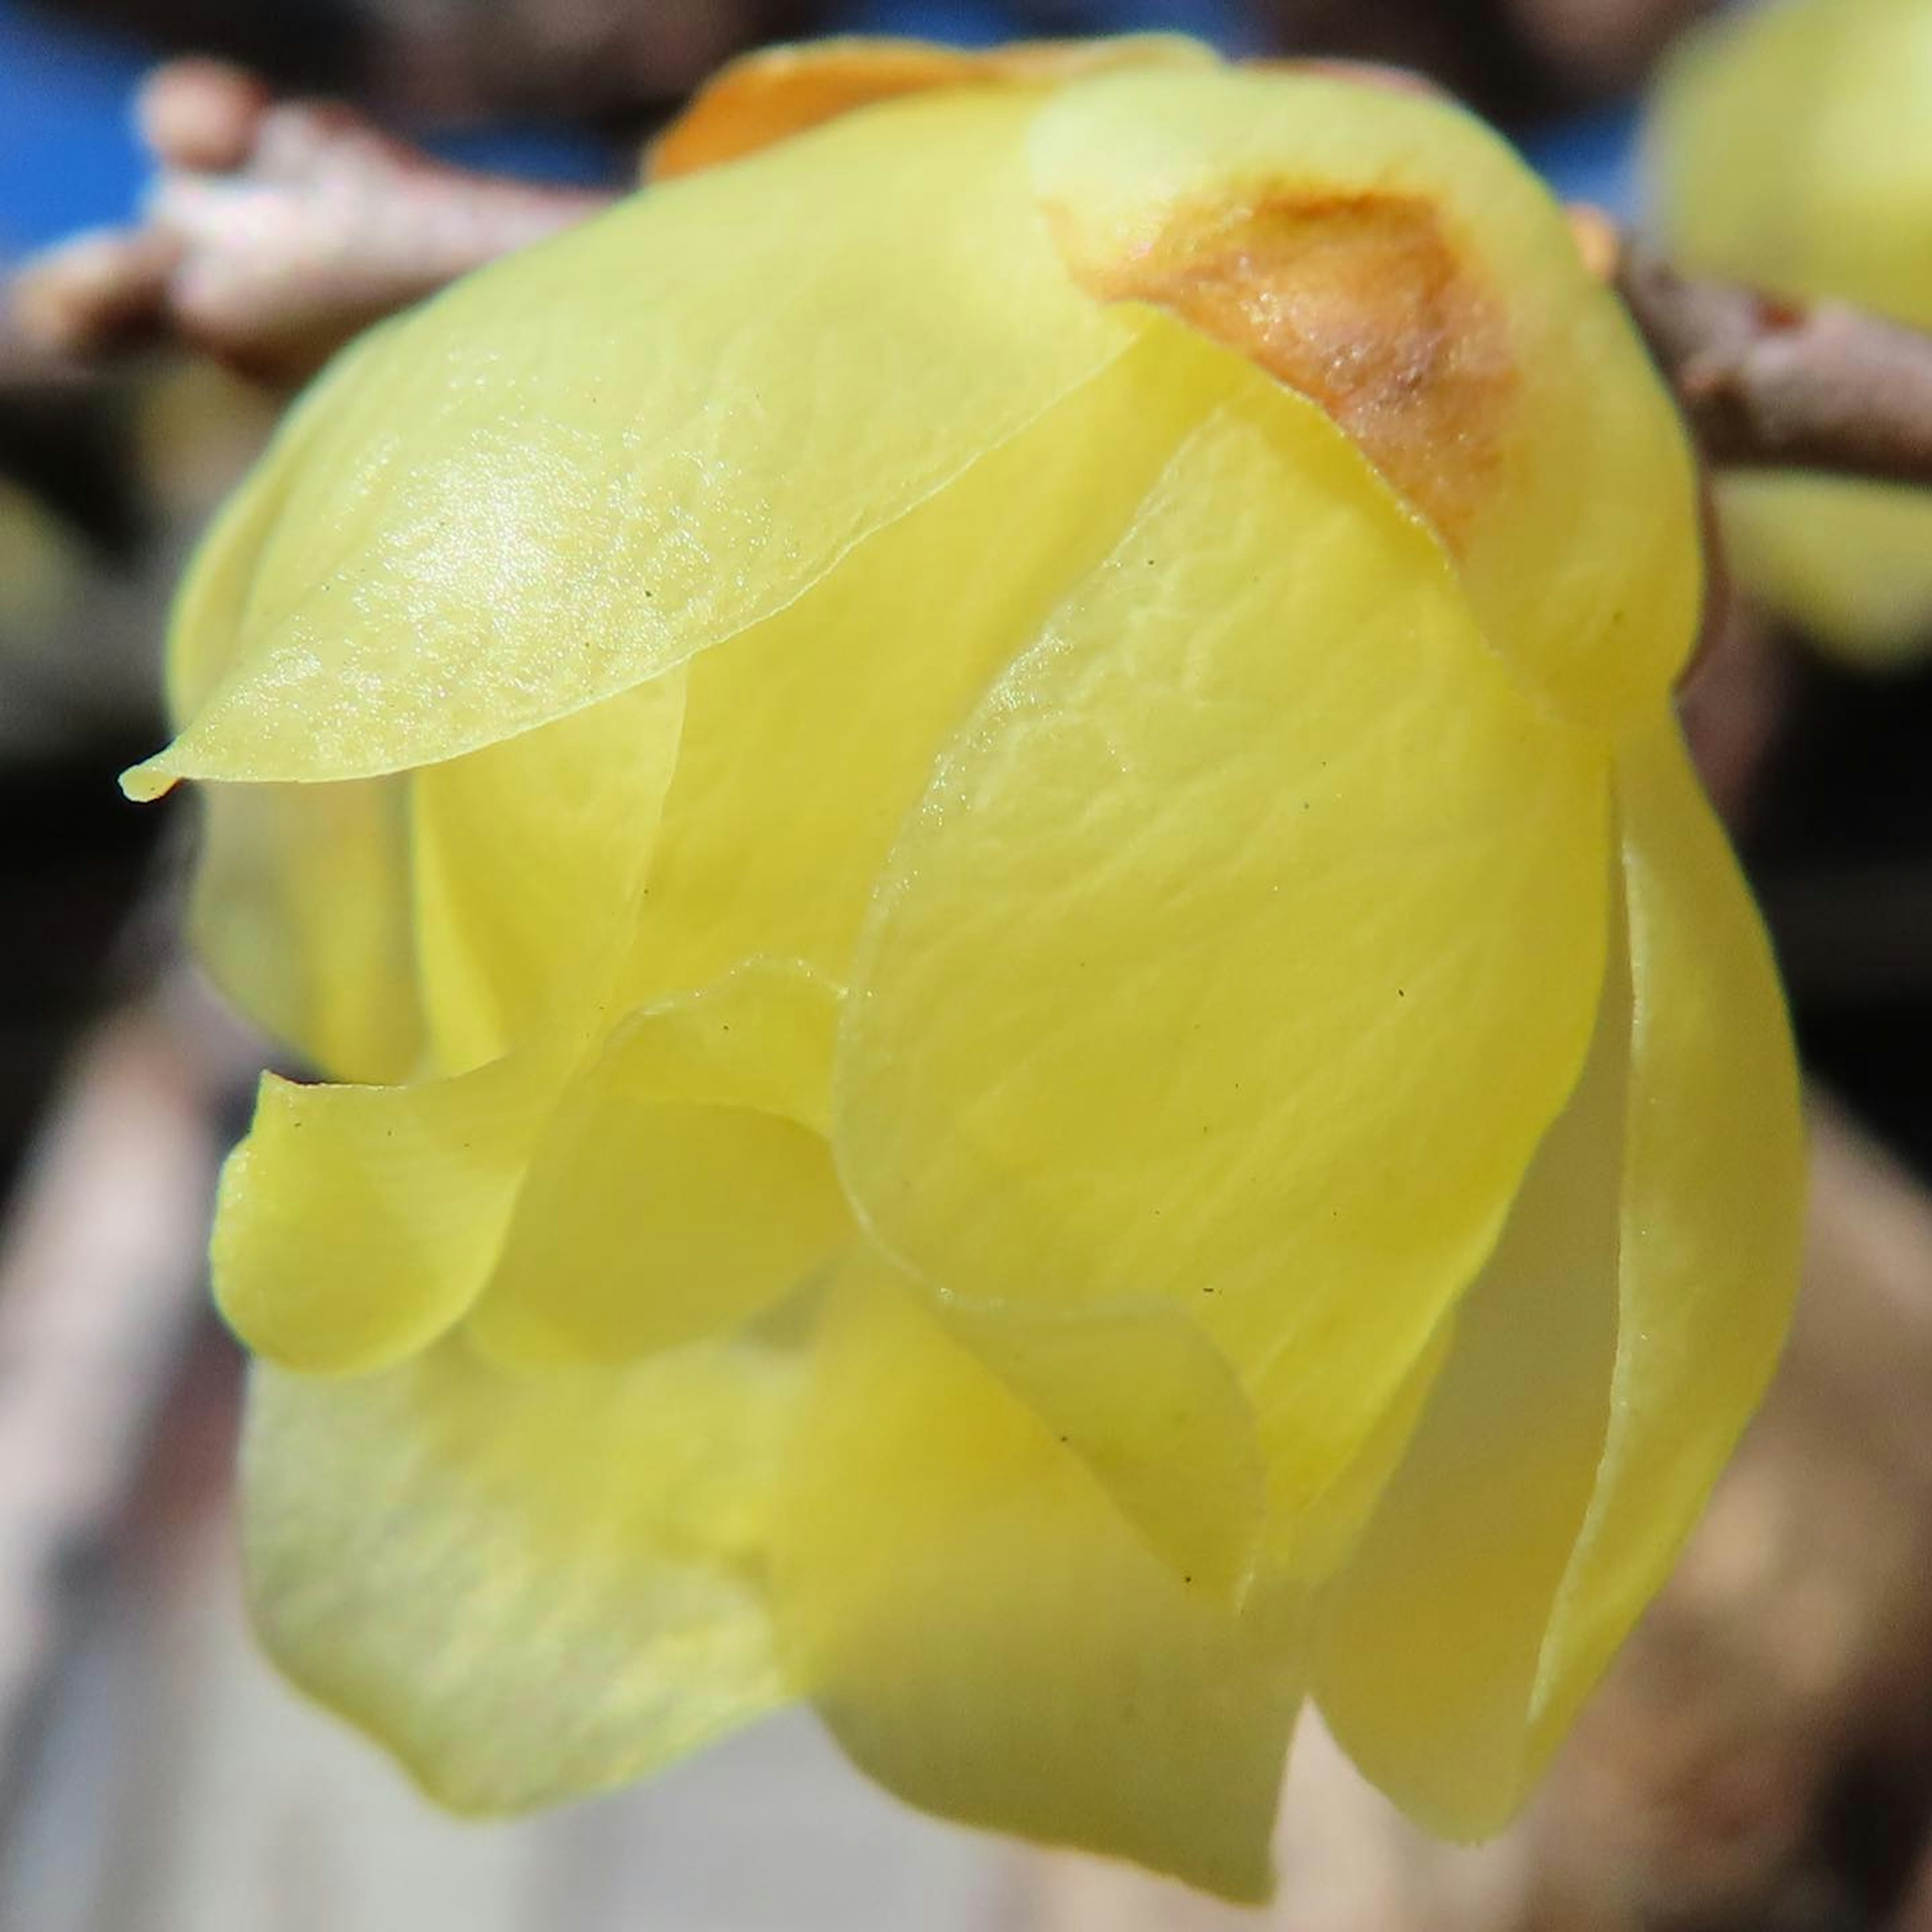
[
  {"x": 807, "y": 741},
  {"x": 529, "y": 858},
  {"x": 1201, "y": 975},
  {"x": 987, "y": 1637},
  {"x": 1387, "y": 255},
  {"x": 1713, "y": 1198},
  {"x": 777, "y": 92},
  {"x": 301, "y": 907},
  {"x": 354, "y": 1224},
  {"x": 1430, "y": 1640},
  {"x": 684, "y": 1182},
  {"x": 527, "y": 1587},
  {"x": 1604, "y": 1363},
  {"x": 589, "y": 462},
  {"x": 302, "y": 912},
  {"x": 1144, "y": 1398}
]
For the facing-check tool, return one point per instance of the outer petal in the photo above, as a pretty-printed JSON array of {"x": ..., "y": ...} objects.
[
  {"x": 1713, "y": 1199},
  {"x": 1605, "y": 1363},
  {"x": 529, "y": 859},
  {"x": 303, "y": 911},
  {"x": 1261, "y": 789},
  {"x": 302, "y": 907},
  {"x": 527, "y": 1588},
  {"x": 778, "y": 92},
  {"x": 585, "y": 464},
  {"x": 354, "y": 1224},
  {"x": 684, "y": 1182},
  {"x": 987, "y": 1637},
  {"x": 807, "y": 741},
  {"x": 1390, "y": 257},
  {"x": 1431, "y": 1639}
]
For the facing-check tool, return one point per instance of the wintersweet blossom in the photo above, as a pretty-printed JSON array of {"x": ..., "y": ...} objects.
[
  {"x": 1790, "y": 148},
  {"x": 1033, "y": 1029}
]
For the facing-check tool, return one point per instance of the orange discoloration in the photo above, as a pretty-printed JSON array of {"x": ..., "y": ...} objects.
[
  {"x": 1362, "y": 303},
  {"x": 768, "y": 97}
]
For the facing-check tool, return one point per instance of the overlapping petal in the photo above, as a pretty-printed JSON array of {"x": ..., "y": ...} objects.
[
  {"x": 1713, "y": 1196},
  {"x": 1247, "y": 941},
  {"x": 1604, "y": 1365},
  {"x": 527, "y": 1587},
  {"x": 807, "y": 741},
  {"x": 684, "y": 1182},
  {"x": 582, "y": 466},
  {"x": 987, "y": 1637},
  {"x": 1389, "y": 255},
  {"x": 354, "y": 1224},
  {"x": 529, "y": 859},
  {"x": 303, "y": 911}
]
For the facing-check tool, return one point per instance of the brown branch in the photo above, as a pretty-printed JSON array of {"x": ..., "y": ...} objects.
[
  {"x": 1767, "y": 384},
  {"x": 275, "y": 232}
]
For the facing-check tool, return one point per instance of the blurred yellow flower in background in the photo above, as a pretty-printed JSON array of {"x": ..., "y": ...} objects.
[
  {"x": 1040, "y": 1035},
  {"x": 1790, "y": 147}
]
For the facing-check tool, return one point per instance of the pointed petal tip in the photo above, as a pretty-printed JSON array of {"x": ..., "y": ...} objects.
[{"x": 150, "y": 780}]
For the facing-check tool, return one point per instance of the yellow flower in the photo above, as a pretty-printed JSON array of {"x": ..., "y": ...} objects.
[
  {"x": 1791, "y": 148},
  {"x": 1046, "y": 1040}
]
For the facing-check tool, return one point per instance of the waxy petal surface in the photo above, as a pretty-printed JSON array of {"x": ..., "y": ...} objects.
[
  {"x": 1389, "y": 255},
  {"x": 527, "y": 1587},
  {"x": 988, "y": 1638},
  {"x": 684, "y": 1182},
  {"x": 1603, "y": 1366},
  {"x": 1247, "y": 941},
  {"x": 354, "y": 1224},
  {"x": 585, "y": 464},
  {"x": 807, "y": 742}
]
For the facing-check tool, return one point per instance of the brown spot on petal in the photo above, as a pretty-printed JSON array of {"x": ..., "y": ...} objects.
[
  {"x": 1360, "y": 302},
  {"x": 768, "y": 97}
]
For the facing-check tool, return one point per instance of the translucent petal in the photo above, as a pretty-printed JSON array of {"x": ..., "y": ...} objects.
[
  {"x": 301, "y": 907},
  {"x": 684, "y": 1182},
  {"x": 527, "y": 1587},
  {"x": 1713, "y": 1198},
  {"x": 777, "y": 92},
  {"x": 1430, "y": 1640},
  {"x": 1202, "y": 975},
  {"x": 1144, "y": 1398},
  {"x": 1389, "y": 255},
  {"x": 985, "y": 1636},
  {"x": 587, "y": 463},
  {"x": 302, "y": 912},
  {"x": 529, "y": 857},
  {"x": 807, "y": 741},
  {"x": 354, "y": 1224},
  {"x": 1605, "y": 1363}
]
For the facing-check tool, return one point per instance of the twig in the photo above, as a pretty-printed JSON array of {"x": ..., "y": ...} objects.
[{"x": 1769, "y": 385}]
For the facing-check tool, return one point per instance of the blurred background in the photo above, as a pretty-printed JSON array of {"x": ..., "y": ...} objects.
[{"x": 1761, "y": 1755}]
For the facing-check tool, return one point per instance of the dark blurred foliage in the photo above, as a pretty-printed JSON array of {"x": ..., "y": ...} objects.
[{"x": 1842, "y": 854}]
